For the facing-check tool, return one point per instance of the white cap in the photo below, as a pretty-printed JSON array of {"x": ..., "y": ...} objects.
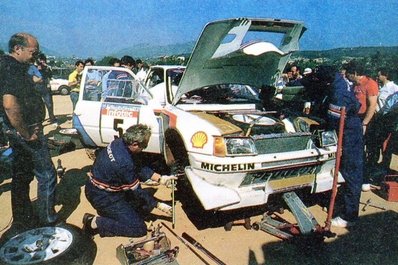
[{"x": 307, "y": 71}]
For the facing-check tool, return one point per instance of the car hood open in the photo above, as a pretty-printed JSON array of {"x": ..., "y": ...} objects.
[{"x": 226, "y": 53}]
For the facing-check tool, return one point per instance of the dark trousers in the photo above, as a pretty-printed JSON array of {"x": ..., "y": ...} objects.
[
  {"x": 120, "y": 213},
  {"x": 32, "y": 159},
  {"x": 352, "y": 165},
  {"x": 377, "y": 132}
]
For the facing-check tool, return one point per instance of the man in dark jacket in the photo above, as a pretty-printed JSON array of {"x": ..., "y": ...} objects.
[
  {"x": 114, "y": 190},
  {"x": 22, "y": 113},
  {"x": 342, "y": 95}
]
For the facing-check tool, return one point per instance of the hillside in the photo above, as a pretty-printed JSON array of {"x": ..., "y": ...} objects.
[
  {"x": 336, "y": 54},
  {"x": 147, "y": 51},
  {"x": 150, "y": 51}
]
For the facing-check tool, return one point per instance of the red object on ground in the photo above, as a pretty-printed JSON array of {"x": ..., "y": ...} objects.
[{"x": 389, "y": 188}]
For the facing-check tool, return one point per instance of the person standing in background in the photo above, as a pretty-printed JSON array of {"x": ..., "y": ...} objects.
[
  {"x": 381, "y": 127},
  {"x": 74, "y": 82},
  {"x": 45, "y": 89},
  {"x": 388, "y": 87},
  {"x": 366, "y": 91}
]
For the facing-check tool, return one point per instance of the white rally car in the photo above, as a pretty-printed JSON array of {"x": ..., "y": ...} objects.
[{"x": 233, "y": 149}]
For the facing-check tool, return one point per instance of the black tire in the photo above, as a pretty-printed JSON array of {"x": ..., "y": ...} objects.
[
  {"x": 64, "y": 90},
  {"x": 61, "y": 244},
  {"x": 185, "y": 193}
]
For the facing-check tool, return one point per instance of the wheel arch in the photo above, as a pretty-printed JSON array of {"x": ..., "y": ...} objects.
[{"x": 175, "y": 149}]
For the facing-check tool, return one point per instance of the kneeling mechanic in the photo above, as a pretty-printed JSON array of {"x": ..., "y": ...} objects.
[{"x": 114, "y": 190}]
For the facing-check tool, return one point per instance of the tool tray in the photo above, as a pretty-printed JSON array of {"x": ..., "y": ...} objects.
[{"x": 137, "y": 253}]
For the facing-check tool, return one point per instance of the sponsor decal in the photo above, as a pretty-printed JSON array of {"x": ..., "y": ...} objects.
[
  {"x": 110, "y": 154},
  {"x": 119, "y": 111},
  {"x": 199, "y": 139},
  {"x": 227, "y": 167}
]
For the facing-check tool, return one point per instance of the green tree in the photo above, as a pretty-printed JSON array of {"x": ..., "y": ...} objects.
[{"x": 104, "y": 61}]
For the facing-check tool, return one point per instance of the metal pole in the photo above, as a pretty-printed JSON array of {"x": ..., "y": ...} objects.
[
  {"x": 173, "y": 205},
  {"x": 202, "y": 248},
  {"x": 185, "y": 242},
  {"x": 328, "y": 221}
]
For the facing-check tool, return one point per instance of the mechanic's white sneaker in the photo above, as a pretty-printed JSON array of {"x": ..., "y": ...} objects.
[
  {"x": 366, "y": 187},
  {"x": 340, "y": 222}
]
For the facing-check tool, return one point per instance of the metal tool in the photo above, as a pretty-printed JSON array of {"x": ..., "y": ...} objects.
[
  {"x": 173, "y": 205},
  {"x": 201, "y": 248},
  {"x": 185, "y": 242},
  {"x": 306, "y": 223},
  {"x": 339, "y": 153},
  {"x": 369, "y": 203}
]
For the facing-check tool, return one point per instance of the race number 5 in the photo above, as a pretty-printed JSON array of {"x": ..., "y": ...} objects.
[{"x": 116, "y": 127}]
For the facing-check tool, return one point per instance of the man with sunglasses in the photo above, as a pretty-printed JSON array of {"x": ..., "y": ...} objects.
[
  {"x": 114, "y": 190},
  {"x": 22, "y": 113}
]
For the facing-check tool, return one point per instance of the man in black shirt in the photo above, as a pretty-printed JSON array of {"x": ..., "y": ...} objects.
[{"x": 22, "y": 113}]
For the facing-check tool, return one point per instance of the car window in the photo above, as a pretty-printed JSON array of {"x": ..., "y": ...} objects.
[
  {"x": 156, "y": 76},
  {"x": 113, "y": 86},
  {"x": 92, "y": 85},
  {"x": 175, "y": 75}
]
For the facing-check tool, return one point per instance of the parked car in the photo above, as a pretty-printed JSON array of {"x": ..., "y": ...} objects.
[
  {"x": 59, "y": 85},
  {"x": 232, "y": 149}
]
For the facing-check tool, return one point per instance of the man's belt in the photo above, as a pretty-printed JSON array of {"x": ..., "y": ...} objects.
[{"x": 104, "y": 186}]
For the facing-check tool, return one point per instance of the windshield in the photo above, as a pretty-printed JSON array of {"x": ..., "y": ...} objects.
[{"x": 222, "y": 94}]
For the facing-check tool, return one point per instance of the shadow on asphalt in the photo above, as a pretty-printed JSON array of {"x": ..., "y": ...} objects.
[{"x": 374, "y": 240}]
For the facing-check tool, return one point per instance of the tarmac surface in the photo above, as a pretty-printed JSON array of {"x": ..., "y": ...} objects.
[{"x": 374, "y": 240}]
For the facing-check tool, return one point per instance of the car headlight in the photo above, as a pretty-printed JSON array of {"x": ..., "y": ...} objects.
[
  {"x": 231, "y": 146},
  {"x": 328, "y": 138}
]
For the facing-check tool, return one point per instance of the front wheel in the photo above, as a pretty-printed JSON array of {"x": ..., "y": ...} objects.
[
  {"x": 64, "y": 90},
  {"x": 63, "y": 244}
]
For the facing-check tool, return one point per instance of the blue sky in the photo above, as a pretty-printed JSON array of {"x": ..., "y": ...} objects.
[{"x": 89, "y": 27}]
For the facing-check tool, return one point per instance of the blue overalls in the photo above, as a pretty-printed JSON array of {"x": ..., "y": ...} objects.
[
  {"x": 353, "y": 147},
  {"x": 114, "y": 191}
]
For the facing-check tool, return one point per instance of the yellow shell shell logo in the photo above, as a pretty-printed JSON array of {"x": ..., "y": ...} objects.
[{"x": 199, "y": 139}]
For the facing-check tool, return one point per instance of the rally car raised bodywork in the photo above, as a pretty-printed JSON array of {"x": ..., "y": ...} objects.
[{"x": 234, "y": 149}]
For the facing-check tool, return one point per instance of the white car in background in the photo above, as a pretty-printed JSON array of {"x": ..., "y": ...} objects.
[
  {"x": 230, "y": 151},
  {"x": 59, "y": 85}
]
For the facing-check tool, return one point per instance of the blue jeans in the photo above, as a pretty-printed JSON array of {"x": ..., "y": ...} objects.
[
  {"x": 74, "y": 97},
  {"x": 120, "y": 213},
  {"x": 32, "y": 159},
  {"x": 48, "y": 100}
]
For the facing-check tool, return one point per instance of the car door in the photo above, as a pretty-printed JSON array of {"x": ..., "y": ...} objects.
[{"x": 115, "y": 103}]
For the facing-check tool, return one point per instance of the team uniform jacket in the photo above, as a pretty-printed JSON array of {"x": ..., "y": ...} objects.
[{"x": 116, "y": 172}]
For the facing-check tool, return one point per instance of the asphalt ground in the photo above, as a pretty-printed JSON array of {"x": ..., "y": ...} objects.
[{"x": 374, "y": 240}]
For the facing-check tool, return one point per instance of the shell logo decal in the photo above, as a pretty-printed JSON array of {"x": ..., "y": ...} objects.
[{"x": 199, "y": 139}]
